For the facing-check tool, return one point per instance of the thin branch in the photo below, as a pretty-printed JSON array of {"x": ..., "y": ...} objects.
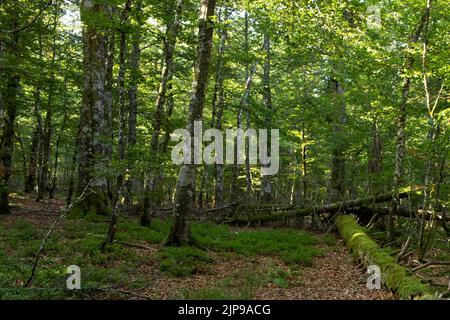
[
  {"x": 133, "y": 245},
  {"x": 400, "y": 256},
  {"x": 64, "y": 213},
  {"x": 27, "y": 25},
  {"x": 431, "y": 263},
  {"x": 128, "y": 293},
  {"x": 437, "y": 99}
]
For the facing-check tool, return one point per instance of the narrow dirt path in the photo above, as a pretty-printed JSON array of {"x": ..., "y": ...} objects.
[{"x": 333, "y": 276}]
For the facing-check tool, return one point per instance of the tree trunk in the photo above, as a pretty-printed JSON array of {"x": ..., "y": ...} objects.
[
  {"x": 375, "y": 160},
  {"x": 219, "y": 171},
  {"x": 180, "y": 232},
  {"x": 337, "y": 181},
  {"x": 266, "y": 183},
  {"x": 109, "y": 122},
  {"x": 121, "y": 89},
  {"x": 248, "y": 174},
  {"x": 48, "y": 128},
  {"x": 433, "y": 134},
  {"x": 401, "y": 122},
  {"x": 133, "y": 97},
  {"x": 92, "y": 142},
  {"x": 73, "y": 167},
  {"x": 30, "y": 182},
  {"x": 34, "y": 160},
  {"x": 243, "y": 105},
  {"x": 304, "y": 166},
  {"x": 396, "y": 277},
  {"x": 166, "y": 79},
  {"x": 270, "y": 212},
  {"x": 8, "y": 110},
  {"x": 55, "y": 164}
]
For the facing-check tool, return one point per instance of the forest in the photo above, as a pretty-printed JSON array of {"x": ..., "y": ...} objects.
[{"x": 224, "y": 150}]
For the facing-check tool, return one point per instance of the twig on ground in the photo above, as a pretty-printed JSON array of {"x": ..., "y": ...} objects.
[
  {"x": 133, "y": 245},
  {"x": 405, "y": 246},
  {"x": 64, "y": 213},
  {"x": 431, "y": 263}
]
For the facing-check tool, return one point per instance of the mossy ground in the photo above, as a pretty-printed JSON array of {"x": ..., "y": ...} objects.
[{"x": 77, "y": 241}]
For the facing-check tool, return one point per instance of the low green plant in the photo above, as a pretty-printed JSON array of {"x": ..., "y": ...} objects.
[{"x": 182, "y": 261}]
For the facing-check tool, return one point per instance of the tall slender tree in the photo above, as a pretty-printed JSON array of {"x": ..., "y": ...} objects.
[
  {"x": 9, "y": 90},
  {"x": 166, "y": 79},
  {"x": 266, "y": 183},
  {"x": 401, "y": 121},
  {"x": 180, "y": 232}
]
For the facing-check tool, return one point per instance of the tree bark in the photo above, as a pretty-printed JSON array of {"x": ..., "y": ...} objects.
[
  {"x": 180, "y": 232},
  {"x": 219, "y": 107},
  {"x": 52, "y": 188},
  {"x": 337, "y": 181},
  {"x": 8, "y": 111},
  {"x": 121, "y": 89},
  {"x": 48, "y": 127},
  {"x": 131, "y": 180},
  {"x": 73, "y": 167},
  {"x": 266, "y": 183},
  {"x": 248, "y": 174},
  {"x": 92, "y": 142},
  {"x": 271, "y": 212},
  {"x": 375, "y": 160},
  {"x": 166, "y": 79},
  {"x": 30, "y": 182},
  {"x": 109, "y": 122}
]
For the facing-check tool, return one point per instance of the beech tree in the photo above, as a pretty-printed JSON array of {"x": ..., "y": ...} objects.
[
  {"x": 180, "y": 233},
  {"x": 92, "y": 142}
]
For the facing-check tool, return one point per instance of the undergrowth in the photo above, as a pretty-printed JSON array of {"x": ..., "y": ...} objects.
[{"x": 78, "y": 240}]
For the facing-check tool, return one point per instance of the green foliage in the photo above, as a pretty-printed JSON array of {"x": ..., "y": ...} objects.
[
  {"x": 329, "y": 239},
  {"x": 182, "y": 261},
  {"x": 292, "y": 246},
  {"x": 128, "y": 229},
  {"x": 78, "y": 242}
]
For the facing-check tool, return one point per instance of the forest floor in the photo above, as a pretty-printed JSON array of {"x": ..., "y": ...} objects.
[{"x": 233, "y": 263}]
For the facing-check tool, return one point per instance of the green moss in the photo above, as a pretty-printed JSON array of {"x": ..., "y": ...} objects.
[
  {"x": 182, "y": 261},
  {"x": 292, "y": 246},
  {"x": 329, "y": 239},
  {"x": 397, "y": 278},
  {"x": 129, "y": 230}
]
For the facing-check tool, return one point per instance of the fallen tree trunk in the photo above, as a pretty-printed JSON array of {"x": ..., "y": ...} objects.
[
  {"x": 243, "y": 213},
  {"x": 397, "y": 278},
  {"x": 199, "y": 212},
  {"x": 402, "y": 211}
]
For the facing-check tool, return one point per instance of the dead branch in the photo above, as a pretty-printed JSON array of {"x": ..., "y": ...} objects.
[
  {"x": 63, "y": 214},
  {"x": 431, "y": 263},
  {"x": 402, "y": 252},
  {"x": 133, "y": 245}
]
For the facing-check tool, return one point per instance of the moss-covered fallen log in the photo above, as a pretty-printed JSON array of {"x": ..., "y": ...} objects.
[
  {"x": 267, "y": 213},
  {"x": 398, "y": 279}
]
